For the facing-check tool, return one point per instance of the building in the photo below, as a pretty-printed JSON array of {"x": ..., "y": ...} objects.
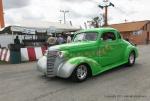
[{"x": 137, "y": 32}]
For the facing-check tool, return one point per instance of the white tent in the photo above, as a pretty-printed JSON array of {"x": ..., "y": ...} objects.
[
  {"x": 41, "y": 26},
  {"x": 30, "y": 27}
]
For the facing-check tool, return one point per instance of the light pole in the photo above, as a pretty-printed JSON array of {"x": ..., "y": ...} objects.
[
  {"x": 64, "y": 12},
  {"x": 105, "y": 6}
]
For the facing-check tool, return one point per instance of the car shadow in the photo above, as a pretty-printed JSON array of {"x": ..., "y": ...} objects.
[
  {"x": 56, "y": 79},
  {"x": 117, "y": 69},
  {"x": 101, "y": 75}
]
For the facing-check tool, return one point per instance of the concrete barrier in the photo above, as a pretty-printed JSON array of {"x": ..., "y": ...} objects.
[
  {"x": 4, "y": 54},
  {"x": 32, "y": 53},
  {"x": 27, "y": 54}
]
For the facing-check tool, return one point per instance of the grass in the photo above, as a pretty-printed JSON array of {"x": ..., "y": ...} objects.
[{"x": 3, "y": 62}]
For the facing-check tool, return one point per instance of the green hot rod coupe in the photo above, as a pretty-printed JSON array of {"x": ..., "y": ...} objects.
[{"x": 91, "y": 52}]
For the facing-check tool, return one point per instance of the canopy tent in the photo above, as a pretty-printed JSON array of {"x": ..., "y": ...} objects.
[
  {"x": 30, "y": 27},
  {"x": 27, "y": 30},
  {"x": 35, "y": 30},
  {"x": 39, "y": 26}
]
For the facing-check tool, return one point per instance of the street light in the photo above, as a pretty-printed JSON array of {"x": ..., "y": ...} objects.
[
  {"x": 106, "y": 5},
  {"x": 64, "y": 12}
]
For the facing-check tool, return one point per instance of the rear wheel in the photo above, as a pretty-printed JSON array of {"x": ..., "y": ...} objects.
[
  {"x": 80, "y": 73},
  {"x": 131, "y": 59}
]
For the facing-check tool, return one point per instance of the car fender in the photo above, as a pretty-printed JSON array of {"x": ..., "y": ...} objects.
[
  {"x": 65, "y": 69},
  {"x": 42, "y": 64},
  {"x": 129, "y": 49}
]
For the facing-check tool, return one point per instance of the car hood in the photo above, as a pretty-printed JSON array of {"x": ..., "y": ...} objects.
[{"x": 73, "y": 45}]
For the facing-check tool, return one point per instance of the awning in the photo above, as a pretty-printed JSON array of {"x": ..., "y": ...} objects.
[{"x": 31, "y": 27}]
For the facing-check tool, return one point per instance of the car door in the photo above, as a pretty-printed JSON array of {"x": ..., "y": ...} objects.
[
  {"x": 109, "y": 48},
  {"x": 121, "y": 47}
]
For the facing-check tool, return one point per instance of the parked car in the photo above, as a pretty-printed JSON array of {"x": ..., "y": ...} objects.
[{"x": 91, "y": 52}]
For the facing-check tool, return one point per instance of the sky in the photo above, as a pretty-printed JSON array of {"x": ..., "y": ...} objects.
[{"x": 80, "y": 11}]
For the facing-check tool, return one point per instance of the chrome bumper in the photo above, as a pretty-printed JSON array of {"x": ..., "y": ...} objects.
[{"x": 59, "y": 67}]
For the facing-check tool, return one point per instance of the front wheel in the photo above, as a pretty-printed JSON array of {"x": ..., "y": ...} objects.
[
  {"x": 131, "y": 59},
  {"x": 80, "y": 73}
]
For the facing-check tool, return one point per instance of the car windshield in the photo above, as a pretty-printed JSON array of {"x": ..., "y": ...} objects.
[{"x": 85, "y": 36}]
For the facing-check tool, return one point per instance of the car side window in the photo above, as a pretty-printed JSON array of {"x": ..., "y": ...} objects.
[{"x": 108, "y": 36}]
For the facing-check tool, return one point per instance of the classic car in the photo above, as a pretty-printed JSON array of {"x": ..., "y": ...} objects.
[{"x": 91, "y": 52}]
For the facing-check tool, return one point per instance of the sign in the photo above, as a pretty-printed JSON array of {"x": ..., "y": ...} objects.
[{"x": 138, "y": 32}]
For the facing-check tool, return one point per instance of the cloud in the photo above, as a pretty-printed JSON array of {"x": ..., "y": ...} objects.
[
  {"x": 80, "y": 10},
  {"x": 9, "y": 4},
  {"x": 73, "y": 1},
  {"x": 86, "y": 9},
  {"x": 131, "y": 10}
]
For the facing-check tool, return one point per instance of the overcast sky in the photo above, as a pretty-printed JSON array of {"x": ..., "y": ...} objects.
[{"x": 80, "y": 10}]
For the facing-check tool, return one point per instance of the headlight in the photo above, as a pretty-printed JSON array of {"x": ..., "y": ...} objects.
[{"x": 61, "y": 54}]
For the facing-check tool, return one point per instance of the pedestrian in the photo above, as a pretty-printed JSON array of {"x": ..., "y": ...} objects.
[
  {"x": 17, "y": 40},
  {"x": 51, "y": 40},
  {"x": 60, "y": 39},
  {"x": 68, "y": 39}
]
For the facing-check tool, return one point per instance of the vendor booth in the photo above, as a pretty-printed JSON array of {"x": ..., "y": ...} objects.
[{"x": 33, "y": 37}]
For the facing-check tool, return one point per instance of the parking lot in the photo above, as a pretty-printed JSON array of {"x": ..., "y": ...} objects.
[{"x": 22, "y": 82}]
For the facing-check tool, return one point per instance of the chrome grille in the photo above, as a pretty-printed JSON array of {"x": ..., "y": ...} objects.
[{"x": 51, "y": 58}]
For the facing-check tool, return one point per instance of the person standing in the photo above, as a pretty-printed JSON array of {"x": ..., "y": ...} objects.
[
  {"x": 16, "y": 40},
  {"x": 60, "y": 39},
  {"x": 51, "y": 40},
  {"x": 68, "y": 39}
]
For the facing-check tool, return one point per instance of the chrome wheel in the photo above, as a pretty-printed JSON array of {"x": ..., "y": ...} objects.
[
  {"x": 132, "y": 58},
  {"x": 82, "y": 72}
]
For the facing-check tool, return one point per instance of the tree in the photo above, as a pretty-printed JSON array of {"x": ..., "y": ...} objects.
[{"x": 96, "y": 22}]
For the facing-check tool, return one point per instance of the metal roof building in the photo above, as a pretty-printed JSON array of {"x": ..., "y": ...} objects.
[{"x": 137, "y": 32}]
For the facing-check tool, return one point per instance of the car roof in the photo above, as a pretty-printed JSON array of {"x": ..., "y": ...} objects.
[{"x": 103, "y": 29}]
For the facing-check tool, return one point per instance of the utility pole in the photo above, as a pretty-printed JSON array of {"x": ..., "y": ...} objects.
[
  {"x": 2, "y": 23},
  {"x": 85, "y": 25},
  {"x": 106, "y": 16},
  {"x": 64, "y": 12},
  {"x": 70, "y": 23},
  {"x": 105, "y": 6}
]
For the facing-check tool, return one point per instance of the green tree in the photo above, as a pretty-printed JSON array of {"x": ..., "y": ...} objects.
[{"x": 96, "y": 22}]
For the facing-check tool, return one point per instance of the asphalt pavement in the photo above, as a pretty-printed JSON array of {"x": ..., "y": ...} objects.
[{"x": 22, "y": 82}]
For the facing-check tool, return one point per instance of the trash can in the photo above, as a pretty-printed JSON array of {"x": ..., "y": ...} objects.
[{"x": 15, "y": 55}]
